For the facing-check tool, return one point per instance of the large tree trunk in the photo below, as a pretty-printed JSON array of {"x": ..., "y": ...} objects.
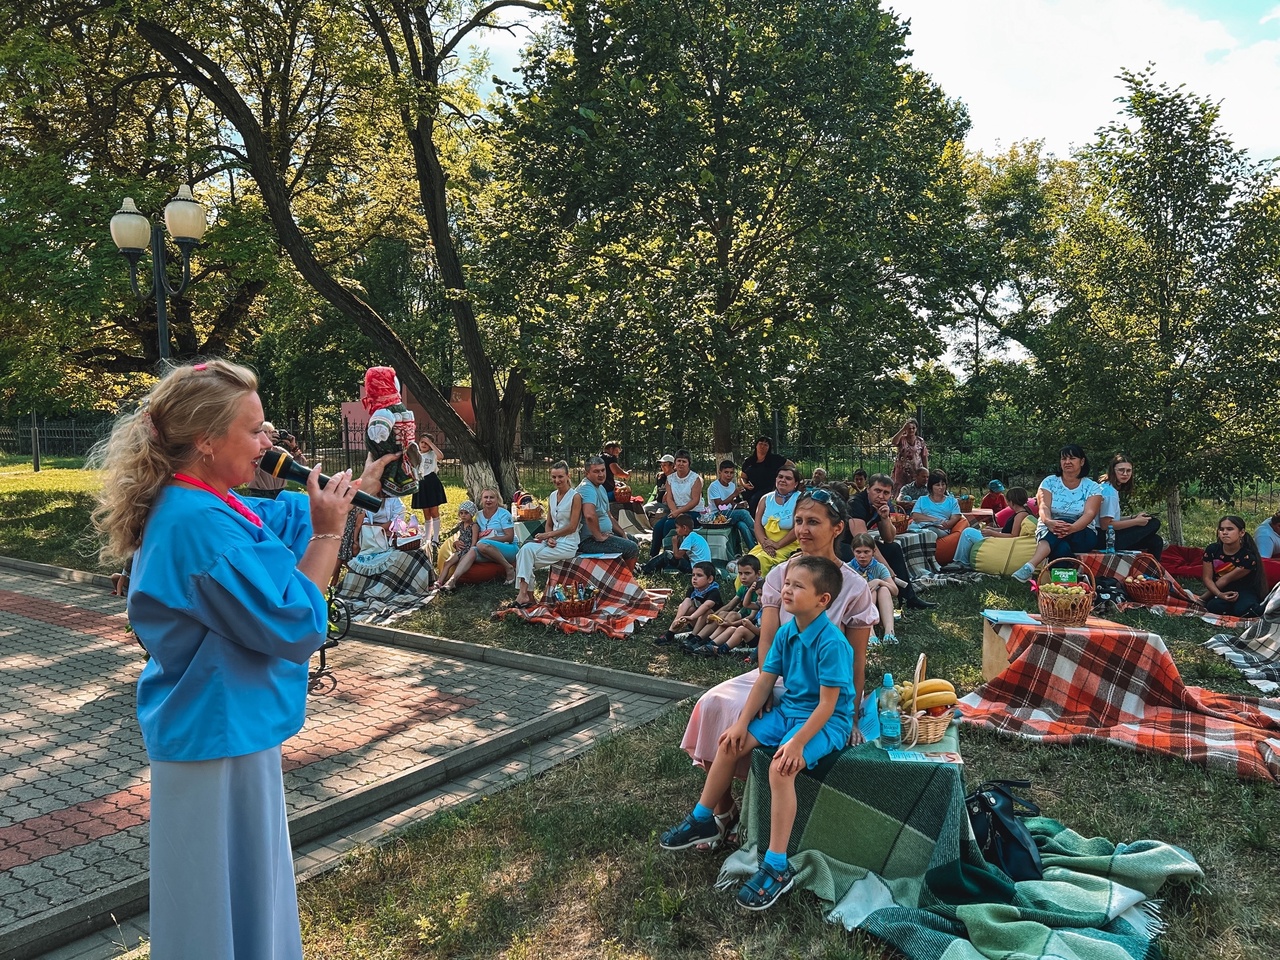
[
  {"x": 1174, "y": 503},
  {"x": 722, "y": 432},
  {"x": 486, "y": 452}
]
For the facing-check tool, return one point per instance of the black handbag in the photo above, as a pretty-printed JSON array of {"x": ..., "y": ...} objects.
[{"x": 1005, "y": 840}]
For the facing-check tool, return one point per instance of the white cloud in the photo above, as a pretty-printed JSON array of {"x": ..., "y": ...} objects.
[
  {"x": 1273, "y": 15},
  {"x": 1047, "y": 68}
]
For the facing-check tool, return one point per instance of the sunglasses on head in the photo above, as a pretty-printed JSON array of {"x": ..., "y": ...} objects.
[{"x": 820, "y": 495}]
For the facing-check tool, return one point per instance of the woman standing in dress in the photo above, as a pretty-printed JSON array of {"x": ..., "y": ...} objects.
[
  {"x": 819, "y": 520},
  {"x": 229, "y": 603},
  {"x": 913, "y": 454}
]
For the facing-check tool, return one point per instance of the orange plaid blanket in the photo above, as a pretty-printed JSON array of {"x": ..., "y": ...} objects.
[
  {"x": 621, "y": 603},
  {"x": 1107, "y": 681},
  {"x": 1180, "y": 602}
]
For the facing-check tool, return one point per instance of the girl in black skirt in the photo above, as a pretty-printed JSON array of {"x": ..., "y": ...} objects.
[{"x": 430, "y": 492}]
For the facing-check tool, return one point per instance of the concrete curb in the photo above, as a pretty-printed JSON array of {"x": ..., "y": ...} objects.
[
  {"x": 61, "y": 925},
  {"x": 535, "y": 663},
  {"x": 336, "y": 813},
  {"x": 56, "y": 573}
]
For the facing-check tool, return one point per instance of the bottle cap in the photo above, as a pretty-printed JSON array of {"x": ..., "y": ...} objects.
[{"x": 888, "y": 679}]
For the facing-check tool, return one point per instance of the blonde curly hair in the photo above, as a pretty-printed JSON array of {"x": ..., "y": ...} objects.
[{"x": 148, "y": 446}]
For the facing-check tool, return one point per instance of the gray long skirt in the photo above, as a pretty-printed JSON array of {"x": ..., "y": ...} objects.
[{"x": 222, "y": 884}]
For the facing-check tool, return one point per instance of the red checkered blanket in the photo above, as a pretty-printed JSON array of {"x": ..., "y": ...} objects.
[
  {"x": 621, "y": 603},
  {"x": 1106, "y": 681},
  {"x": 1179, "y": 604}
]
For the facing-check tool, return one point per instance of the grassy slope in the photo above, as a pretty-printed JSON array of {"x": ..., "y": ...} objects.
[{"x": 566, "y": 866}]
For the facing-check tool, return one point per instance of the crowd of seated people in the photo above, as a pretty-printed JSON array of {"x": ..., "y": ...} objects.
[{"x": 1016, "y": 530}]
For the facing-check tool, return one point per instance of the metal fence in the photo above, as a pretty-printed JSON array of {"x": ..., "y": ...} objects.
[
  {"x": 65, "y": 437},
  {"x": 338, "y": 444}
]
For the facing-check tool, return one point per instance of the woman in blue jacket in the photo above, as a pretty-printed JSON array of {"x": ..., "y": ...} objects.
[{"x": 227, "y": 597}]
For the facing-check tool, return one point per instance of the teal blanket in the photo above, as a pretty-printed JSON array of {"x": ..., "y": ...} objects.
[{"x": 889, "y": 845}]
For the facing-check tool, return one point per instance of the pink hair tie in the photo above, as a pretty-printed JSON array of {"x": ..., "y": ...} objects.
[{"x": 200, "y": 366}]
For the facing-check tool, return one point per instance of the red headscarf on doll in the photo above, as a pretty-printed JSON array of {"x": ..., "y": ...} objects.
[{"x": 381, "y": 389}]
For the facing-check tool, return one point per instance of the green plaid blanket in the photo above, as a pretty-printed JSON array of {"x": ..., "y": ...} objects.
[{"x": 888, "y": 844}]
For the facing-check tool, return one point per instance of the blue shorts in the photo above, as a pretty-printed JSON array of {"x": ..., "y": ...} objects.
[
  {"x": 508, "y": 550},
  {"x": 773, "y": 730}
]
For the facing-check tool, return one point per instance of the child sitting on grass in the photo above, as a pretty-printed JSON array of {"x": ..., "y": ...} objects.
[
  {"x": 466, "y": 530},
  {"x": 700, "y": 601},
  {"x": 688, "y": 548},
  {"x": 813, "y": 717},
  {"x": 737, "y": 623},
  {"x": 879, "y": 579}
]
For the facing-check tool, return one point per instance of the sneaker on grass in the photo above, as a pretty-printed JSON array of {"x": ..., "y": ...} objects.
[
  {"x": 691, "y": 833},
  {"x": 1024, "y": 572}
]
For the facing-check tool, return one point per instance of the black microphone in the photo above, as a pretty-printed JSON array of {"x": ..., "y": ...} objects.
[{"x": 281, "y": 465}]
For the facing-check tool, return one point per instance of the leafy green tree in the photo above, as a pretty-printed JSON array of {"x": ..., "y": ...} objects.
[
  {"x": 1002, "y": 259},
  {"x": 88, "y": 116},
  {"x": 720, "y": 200},
  {"x": 1164, "y": 342}
]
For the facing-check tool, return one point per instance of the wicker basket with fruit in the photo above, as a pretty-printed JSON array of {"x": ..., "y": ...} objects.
[
  {"x": 927, "y": 706},
  {"x": 1146, "y": 581},
  {"x": 1066, "y": 604}
]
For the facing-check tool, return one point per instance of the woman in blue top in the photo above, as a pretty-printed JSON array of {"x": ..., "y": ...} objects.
[
  {"x": 939, "y": 509},
  {"x": 228, "y": 600},
  {"x": 1069, "y": 502},
  {"x": 496, "y": 544}
]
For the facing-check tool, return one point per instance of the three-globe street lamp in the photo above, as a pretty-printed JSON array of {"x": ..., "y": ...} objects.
[{"x": 133, "y": 233}]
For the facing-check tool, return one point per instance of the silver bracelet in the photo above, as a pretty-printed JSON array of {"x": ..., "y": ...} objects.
[{"x": 326, "y": 536}]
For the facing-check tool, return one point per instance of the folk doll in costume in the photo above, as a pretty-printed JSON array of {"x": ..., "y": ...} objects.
[{"x": 391, "y": 430}]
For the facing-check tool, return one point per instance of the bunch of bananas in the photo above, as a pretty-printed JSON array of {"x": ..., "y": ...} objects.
[{"x": 930, "y": 695}]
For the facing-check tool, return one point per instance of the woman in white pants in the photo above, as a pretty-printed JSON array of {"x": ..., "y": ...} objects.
[{"x": 559, "y": 541}]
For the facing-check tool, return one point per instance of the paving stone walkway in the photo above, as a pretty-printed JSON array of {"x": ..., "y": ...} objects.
[{"x": 408, "y": 725}]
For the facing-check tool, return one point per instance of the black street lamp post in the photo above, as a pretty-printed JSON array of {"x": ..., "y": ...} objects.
[{"x": 133, "y": 233}]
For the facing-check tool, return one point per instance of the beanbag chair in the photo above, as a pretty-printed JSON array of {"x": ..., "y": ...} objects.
[
  {"x": 1183, "y": 561},
  {"x": 945, "y": 551},
  {"x": 1001, "y": 556},
  {"x": 482, "y": 573}
]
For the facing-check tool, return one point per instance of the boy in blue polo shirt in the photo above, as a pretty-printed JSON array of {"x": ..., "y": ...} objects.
[
  {"x": 688, "y": 548},
  {"x": 813, "y": 718}
]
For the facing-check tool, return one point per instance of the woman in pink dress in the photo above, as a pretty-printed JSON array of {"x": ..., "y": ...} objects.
[
  {"x": 913, "y": 454},
  {"x": 819, "y": 521}
]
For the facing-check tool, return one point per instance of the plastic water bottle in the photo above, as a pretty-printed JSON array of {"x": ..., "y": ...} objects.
[
  {"x": 890, "y": 715},
  {"x": 1111, "y": 539}
]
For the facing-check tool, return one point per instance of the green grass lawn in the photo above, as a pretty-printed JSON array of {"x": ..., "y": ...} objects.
[{"x": 567, "y": 865}]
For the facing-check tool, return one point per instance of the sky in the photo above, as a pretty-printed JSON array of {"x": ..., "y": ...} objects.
[{"x": 1046, "y": 69}]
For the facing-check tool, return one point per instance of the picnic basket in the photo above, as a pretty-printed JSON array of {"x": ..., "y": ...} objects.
[
  {"x": 901, "y": 521},
  {"x": 573, "y": 608},
  {"x": 527, "y": 508},
  {"x": 1065, "y": 609},
  {"x": 917, "y": 726},
  {"x": 1149, "y": 584}
]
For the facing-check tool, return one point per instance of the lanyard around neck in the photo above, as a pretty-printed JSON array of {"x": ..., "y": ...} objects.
[{"x": 232, "y": 502}]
